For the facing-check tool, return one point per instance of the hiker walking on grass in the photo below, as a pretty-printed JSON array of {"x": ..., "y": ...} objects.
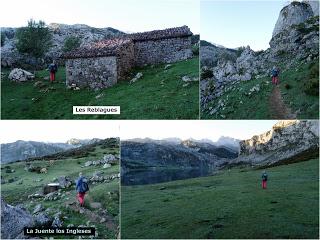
[
  {"x": 81, "y": 187},
  {"x": 275, "y": 75},
  {"x": 264, "y": 179},
  {"x": 53, "y": 68}
]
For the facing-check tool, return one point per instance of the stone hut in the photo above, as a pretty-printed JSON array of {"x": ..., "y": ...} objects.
[{"x": 102, "y": 64}]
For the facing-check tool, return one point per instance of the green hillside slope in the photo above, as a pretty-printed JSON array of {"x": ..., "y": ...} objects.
[
  {"x": 230, "y": 204},
  {"x": 159, "y": 94},
  {"x": 18, "y": 185}
]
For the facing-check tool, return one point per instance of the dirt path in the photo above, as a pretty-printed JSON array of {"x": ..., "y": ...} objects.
[
  {"x": 278, "y": 108},
  {"x": 92, "y": 216}
]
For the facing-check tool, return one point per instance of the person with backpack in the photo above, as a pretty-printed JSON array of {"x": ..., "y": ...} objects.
[
  {"x": 53, "y": 68},
  {"x": 275, "y": 75},
  {"x": 264, "y": 179},
  {"x": 82, "y": 188}
]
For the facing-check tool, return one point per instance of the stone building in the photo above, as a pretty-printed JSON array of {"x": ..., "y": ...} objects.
[{"x": 102, "y": 64}]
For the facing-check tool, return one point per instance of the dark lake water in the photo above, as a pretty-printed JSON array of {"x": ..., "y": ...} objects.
[{"x": 150, "y": 176}]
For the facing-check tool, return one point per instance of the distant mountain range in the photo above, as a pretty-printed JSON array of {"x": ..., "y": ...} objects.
[
  {"x": 22, "y": 150},
  {"x": 173, "y": 153}
]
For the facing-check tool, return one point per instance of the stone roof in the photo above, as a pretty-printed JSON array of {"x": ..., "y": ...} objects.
[
  {"x": 109, "y": 47},
  {"x": 183, "y": 31}
]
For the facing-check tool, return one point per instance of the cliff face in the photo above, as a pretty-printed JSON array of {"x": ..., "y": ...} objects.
[
  {"x": 294, "y": 13},
  {"x": 287, "y": 141}
]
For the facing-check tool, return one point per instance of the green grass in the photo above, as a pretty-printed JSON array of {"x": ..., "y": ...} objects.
[
  {"x": 14, "y": 193},
  {"x": 228, "y": 205},
  {"x": 145, "y": 99},
  {"x": 238, "y": 105}
]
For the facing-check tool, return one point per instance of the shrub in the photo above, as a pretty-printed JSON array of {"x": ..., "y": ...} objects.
[
  {"x": 287, "y": 86},
  {"x": 207, "y": 73},
  {"x": 71, "y": 43},
  {"x": 311, "y": 86},
  {"x": 35, "y": 39}
]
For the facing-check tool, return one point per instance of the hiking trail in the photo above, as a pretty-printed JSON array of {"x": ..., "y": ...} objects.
[
  {"x": 278, "y": 108},
  {"x": 92, "y": 216}
]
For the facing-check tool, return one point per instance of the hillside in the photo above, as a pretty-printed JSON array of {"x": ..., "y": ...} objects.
[
  {"x": 240, "y": 87},
  {"x": 258, "y": 99},
  {"x": 23, "y": 187},
  {"x": 228, "y": 205},
  {"x": 151, "y": 97}
]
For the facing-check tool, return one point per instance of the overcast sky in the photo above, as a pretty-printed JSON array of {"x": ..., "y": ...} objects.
[
  {"x": 56, "y": 130},
  {"x": 125, "y": 15},
  {"x": 213, "y": 130},
  {"x": 233, "y": 23}
]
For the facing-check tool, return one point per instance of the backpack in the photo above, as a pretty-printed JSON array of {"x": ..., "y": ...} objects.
[
  {"x": 53, "y": 67},
  {"x": 274, "y": 73},
  {"x": 265, "y": 177},
  {"x": 84, "y": 187}
]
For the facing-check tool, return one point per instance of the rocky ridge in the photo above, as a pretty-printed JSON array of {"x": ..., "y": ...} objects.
[{"x": 288, "y": 141}]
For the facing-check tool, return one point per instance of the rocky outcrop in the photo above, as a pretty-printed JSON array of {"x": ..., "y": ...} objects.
[
  {"x": 60, "y": 32},
  {"x": 13, "y": 220},
  {"x": 294, "y": 13},
  {"x": 288, "y": 141}
]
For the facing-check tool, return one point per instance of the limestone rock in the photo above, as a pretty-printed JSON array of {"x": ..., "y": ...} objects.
[
  {"x": 20, "y": 75},
  {"x": 13, "y": 220},
  {"x": 294, "y": 13}
]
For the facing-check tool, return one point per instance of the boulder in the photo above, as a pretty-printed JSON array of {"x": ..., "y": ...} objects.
[
  {"x": 20, "y": 75},
  {"x": 13, "y": 220},
  {"x": 64, "y": 182},
  {"x": 87, "y": 164},
  {"x": 136, "y": 78}
]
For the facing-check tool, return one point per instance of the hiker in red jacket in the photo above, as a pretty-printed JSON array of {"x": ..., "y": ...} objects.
[
  {"x": 82, "y": 187},
  {"x": 53, "y": 68},
  {"x": 264, "y": 179},
  {"x": 275, "y": 75}
]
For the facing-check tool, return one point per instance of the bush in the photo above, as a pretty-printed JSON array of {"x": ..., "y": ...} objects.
[
  {"x": 71, "y": 43},
  {"x": 3, "y": 36},
  {"x": 311, "y": 86},
  {"x": 195, "y": 50},
  {"x": 35, "y": 39},
  {"x": 206, "y": 74}
]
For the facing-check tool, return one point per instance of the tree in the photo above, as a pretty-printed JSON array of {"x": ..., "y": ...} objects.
[
  {"x": 35, "y": 39},
  {"x": 71, "y": 43}
]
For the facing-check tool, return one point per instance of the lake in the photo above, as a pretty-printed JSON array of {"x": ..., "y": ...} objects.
[{"x": 151, "y": 176}]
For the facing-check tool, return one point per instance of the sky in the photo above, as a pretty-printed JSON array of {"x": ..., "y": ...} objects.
[
  {"x": 63, "y": 130},
  {"x": 239, "y": 23},
  {"x": 185, "y": 129},
  {"x": 124, "y": 15},
  {"x": 56, "y": 130}
]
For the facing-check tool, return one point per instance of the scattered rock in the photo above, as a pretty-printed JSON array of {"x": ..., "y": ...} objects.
[
  {"x": 43, "y": 220},
  {"x": 95, "y": 205},
  {"x": 64, "y": 182},
  {"x": 38, "y": 208},
  {"x": 106, "y": 165},
  {"x": 87, "y": 164},
  {"x": 167, "y": 66},
  {"x": 99, "y": 96}
]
